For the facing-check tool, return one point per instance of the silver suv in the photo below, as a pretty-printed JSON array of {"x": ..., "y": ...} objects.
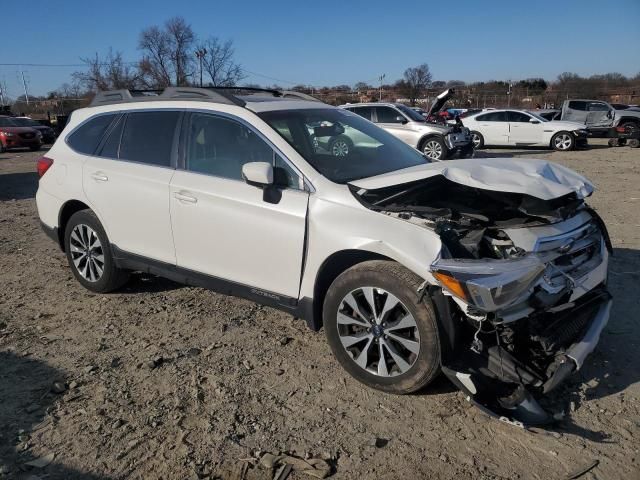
[{"x": 436, "y": 141}]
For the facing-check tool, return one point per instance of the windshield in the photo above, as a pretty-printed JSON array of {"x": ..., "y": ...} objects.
[
  {"x": 411, "y": 113},
  {"x": 341, "y": 145},
  {"x": 26, "y": 122},
  {"x": 7, "y": 122},
  {"x": 538, "y": 117}
]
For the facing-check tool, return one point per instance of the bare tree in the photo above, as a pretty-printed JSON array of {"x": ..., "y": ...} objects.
[
  {"x": 108, "y": 73},
  {"x": 219, "y": 64},
  {"x": 167, "y": 54},
  {"x": 155, "y": 65},
  {"x": 415, "y": 83},
  {"x": 181, "y": 40}
]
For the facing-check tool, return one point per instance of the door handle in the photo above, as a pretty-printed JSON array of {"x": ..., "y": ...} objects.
[
  {"x": 183, "y": 197},
  {"x": 99, "y": 177}
]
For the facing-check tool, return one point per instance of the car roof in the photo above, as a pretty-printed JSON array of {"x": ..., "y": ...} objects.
[{"x": 371, "y": 104}]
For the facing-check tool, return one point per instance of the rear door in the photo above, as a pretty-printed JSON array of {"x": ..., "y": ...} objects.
[
  {"x": 127, "y": 182},
  {"x": 494, "y": 127},
  {"x": 228, "y": 229},
  {"x": 521, "y": 129}
]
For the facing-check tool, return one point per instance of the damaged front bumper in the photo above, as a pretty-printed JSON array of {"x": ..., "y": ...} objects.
[
  {"x": 523, "y": 326},
  {"x": 501, "y": 385}
]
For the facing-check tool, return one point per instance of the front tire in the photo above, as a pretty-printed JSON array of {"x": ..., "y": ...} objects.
[
  {"x": 379, "y": 329},
  {"x": 89, "y": 254},
  {"x": 341, "y": 146},
  {"x": 435, "y": 149},
  {"x": 563, "y": 141}
]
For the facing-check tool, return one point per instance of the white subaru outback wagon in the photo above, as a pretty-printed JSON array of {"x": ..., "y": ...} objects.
[{"x": 490, "y": 270}]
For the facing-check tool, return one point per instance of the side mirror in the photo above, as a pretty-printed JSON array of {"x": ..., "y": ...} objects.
[
  {"x": 258, "y": 174},
  {"x": 401, "y": 119},
  {"x": 533, "y": 120}
]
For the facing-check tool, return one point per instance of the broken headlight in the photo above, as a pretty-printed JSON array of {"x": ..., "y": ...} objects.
[{"x": 488, "y": 285}]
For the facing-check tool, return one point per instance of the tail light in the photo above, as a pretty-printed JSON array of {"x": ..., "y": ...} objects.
[{"x": 44, "y": 163}]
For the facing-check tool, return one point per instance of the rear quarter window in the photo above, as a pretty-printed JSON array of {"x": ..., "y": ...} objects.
[{"x": 85, "y": 139}]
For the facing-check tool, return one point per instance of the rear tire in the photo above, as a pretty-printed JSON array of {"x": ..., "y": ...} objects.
[
  {"x": 563, "y": 141},
  {"x": 478, "y": 140},
  {"x": 406, "y": 334},
  {"x": 89, "y": 254}
]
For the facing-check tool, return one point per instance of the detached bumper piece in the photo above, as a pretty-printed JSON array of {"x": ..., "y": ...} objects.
[{"x": 495, "y": 377}]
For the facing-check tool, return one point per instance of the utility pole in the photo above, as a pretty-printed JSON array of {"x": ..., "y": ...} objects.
[
  {"x": 381, "y": 78},
  {"x": 509, "y": 95},
  {"x": 200, "y": 53},
  {"x": 1, "y": 94},
  {"x": 24, "y": 84}
]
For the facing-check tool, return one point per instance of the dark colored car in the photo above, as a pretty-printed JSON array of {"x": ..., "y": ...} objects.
[
  {"x": 48, "y": 134},
  {"x": 15, "y": 136}
]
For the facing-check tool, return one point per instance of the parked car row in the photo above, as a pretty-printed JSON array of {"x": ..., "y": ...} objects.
[
  {"x": 491, "y": 270},
  {"x": 438, "y": 141},
  {"x": 23, "y": 132}
]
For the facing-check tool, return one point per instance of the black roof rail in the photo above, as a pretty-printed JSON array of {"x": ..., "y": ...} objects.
[
  {"x": 211, "y": 94},
  {"x": 169, "y": 93},
  {"x": 299, "y": 95}
]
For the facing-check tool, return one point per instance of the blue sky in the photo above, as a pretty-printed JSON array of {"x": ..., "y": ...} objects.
[{"x": 338, "y": 42}]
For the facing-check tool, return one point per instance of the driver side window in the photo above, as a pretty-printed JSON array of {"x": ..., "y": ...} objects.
[
  {"x": 519, "y": 117},
  {"x": 220, "y": 147}
]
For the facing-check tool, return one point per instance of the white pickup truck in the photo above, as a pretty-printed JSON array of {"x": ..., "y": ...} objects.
[{"x": 598, "y": 116}]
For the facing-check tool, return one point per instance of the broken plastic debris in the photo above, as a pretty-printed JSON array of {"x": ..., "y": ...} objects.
[
  {"x": 42, "y": 462},
  {"x": 315, "y": 467}
]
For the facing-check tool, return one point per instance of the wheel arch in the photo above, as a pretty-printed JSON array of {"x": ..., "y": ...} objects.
[
  {"x": 68, "y": 209},
  {"x": 330, "y": 269},
  {"x": 426, "y": 137},
  {"x": 555, "y": 134},
  {"x": 634, "y": 120}
]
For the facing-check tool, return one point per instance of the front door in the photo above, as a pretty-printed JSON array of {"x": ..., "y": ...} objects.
[
  {"x": 524, "y": 129},
  {"x": 228, "y": 229},
  {"x": 396, "y": 124}
]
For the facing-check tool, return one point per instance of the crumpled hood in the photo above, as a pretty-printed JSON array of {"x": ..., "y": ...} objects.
[{"x": 537, "y": 178}]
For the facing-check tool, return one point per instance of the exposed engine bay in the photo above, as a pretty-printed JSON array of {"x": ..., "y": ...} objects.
[{"x": 520, "y": 286}]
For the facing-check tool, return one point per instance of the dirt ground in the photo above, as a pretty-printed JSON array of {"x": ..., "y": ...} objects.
[{"x": 172, "y": 382}]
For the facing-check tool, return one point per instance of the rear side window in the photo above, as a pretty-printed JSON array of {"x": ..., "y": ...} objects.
[
  {"x": 148, "y": 137},
  {"x": 112, "y": 144},
  {"x": 87, "y": 137},
  {"x": 578, "y": 105},
  {"x": 492, "y": 117},
  {"x": 364, "y": 112},
  {"x": 598, "y": 107}
]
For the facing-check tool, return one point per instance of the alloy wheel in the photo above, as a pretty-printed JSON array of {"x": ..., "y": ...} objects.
[
  {"x": 475, "y": 139},
  {"x": 86, "y": 252},
  {"x": 340, "y": 148},
  {"x": 378, "y": 331},
  {"x": 563, "y": 141},
  {"x": 433, "y": 149}
]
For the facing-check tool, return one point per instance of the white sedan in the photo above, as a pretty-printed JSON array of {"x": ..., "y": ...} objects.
[{"x": 518, "y": 128}]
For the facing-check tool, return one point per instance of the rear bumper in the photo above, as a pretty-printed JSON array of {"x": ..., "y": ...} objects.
[{"x": 51, "y": 232}]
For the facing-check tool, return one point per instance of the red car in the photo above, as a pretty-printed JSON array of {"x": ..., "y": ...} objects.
[{"x": 14, "y": 136}]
